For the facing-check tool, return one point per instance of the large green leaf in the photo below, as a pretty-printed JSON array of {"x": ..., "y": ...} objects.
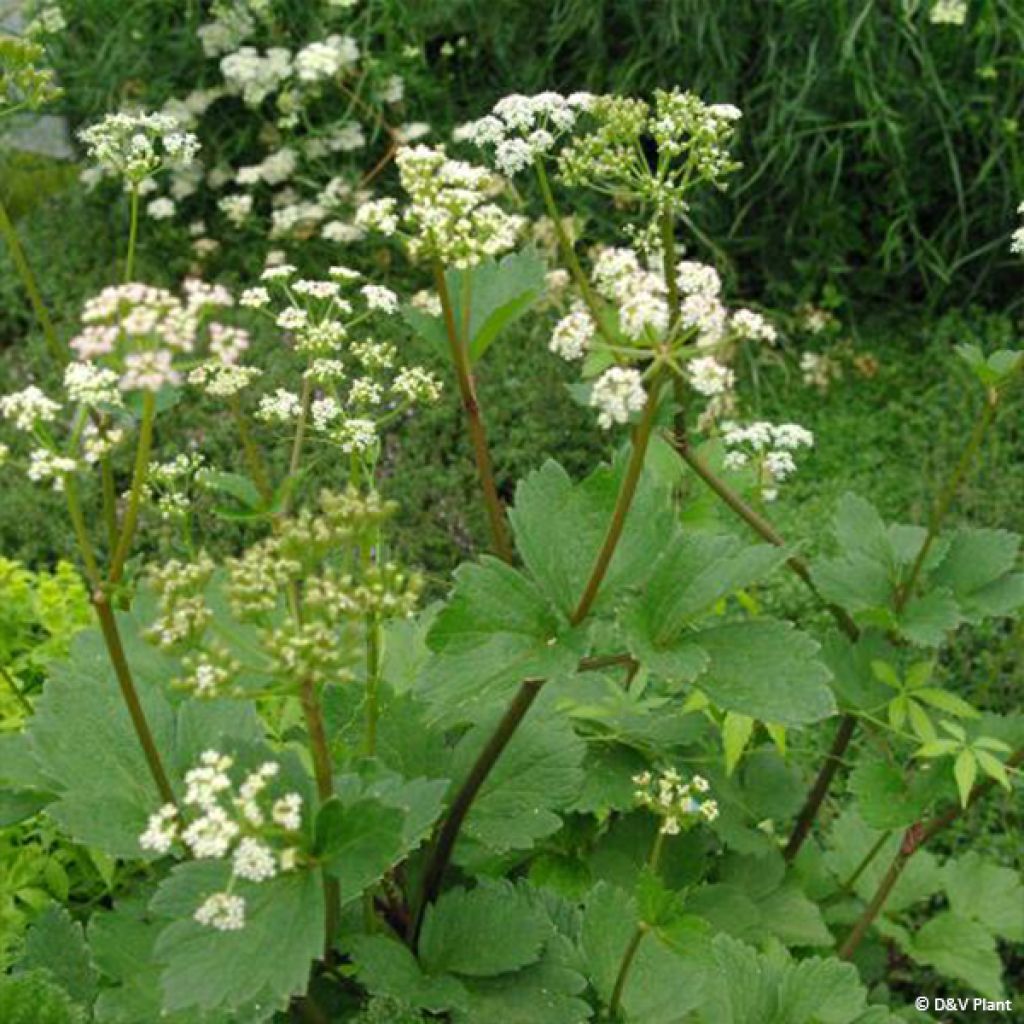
[
  {"x": 496, "y": 631},
  {"x": 665, "y": 982},
  {"x": 386, "y": 967},
  {"x": 501, "y": 291},
  {"x": 767, "y": 670},
  {"x": 262, "y": 964},
  {"x": 546, "y": 992},
  {"x": 560, "y": 527},
  {"x": 481, "y": 932},
  {"x": 368, "y": 827},
  {"x": 978, "y": 569},
  {"x": 56, "y": 943},
  {"x": 752, "y": 988},
  {"x": 358, "y": 842},
  {"x": 82, "y": 739},
  {"x": 538, "y": 774},
  {"x": 886, "y": 798},
  {"x": 849, "y": 843},
  {"x": 987, "y": 893},
  {"x": 959, "y": 948},
  {"x": 122, "y": 941}
]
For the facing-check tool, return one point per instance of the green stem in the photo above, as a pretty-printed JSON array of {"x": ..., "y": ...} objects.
[
  {"x": 133, "y": 235},
  {"x": 949, "y": 492},
  {"x": 637, "y": 937},
  {"x": 373, "y": 652},
  {"x": 627, "y": 491},
  {"x": 28, "y": 282},
  {"x": 109, "y": 493},
  {"x": 441, "y": 850},
  {"x": 131, "y": 514},
  {"x": 115, "y": 649},
  {"x": 19, "y": 696},
  {"x": 866, "y": 861},
  {"x": 668, "y": 258},
  {"x": 92, "y": 569},
  {"x": 323, "y": 772},
  {"x": 477, "y": 433},
  {"x": 295, "y": 459},
  {"x": 914, "y": 839},
  {"x": 253, "y": 457},
  {"x": 568, "y": 251}
]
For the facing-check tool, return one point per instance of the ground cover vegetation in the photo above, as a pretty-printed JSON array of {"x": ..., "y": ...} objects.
[{"x": 477, "y": 552}]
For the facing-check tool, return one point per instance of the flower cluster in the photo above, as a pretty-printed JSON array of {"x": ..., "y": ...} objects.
[
  {"x": 304, "y": 94},
  {"x": 24, "y": 84},
  {"x": 137, "y": 145},
  {"x": 140, "y": 330},
  {"x": 301, "y": 558},
  {"x": 702, "y": 337},
  {"x": 450, "y": 216},
  {"x": 1017, "y": 240},
  {"x": 948, "y": 12},
  {"x": 522, "y": 129},
  {"x": 767, "y": 447},
  {"x": 679, "y": 804},
  {"x": 259, "y": 832},
  {"x": 692, "y": 140},
  {"x": 360, "y": 385}
]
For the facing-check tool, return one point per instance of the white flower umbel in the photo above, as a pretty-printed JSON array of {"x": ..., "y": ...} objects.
[
  {"x": 88, "y": 384},
  {"x": 1017, "y": 239},
  {"x": 679, "y": 804},
  {"x": 450, "y": 215},
  {"x": 25, "y": 409},
  {"x": 617, "y": 394},
  {"x": 46, "y": 466},
  {"x": 573, "y": 334},
  {"x": 768, "y": 448},
  {"x": 137, "y": 145},
  {"x": 287, "y": 812},
  {"x": 224, "y": 911},
  {"x": 161, "y": 830},
  {"x": 522, "y": 129},
  {"x": 709, "y": 377},
  {"x": 254, "y": 861}
]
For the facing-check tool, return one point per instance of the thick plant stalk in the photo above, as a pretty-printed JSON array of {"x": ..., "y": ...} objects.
[
  {"x": 444, "y": 843},
  {"x": 28, "y": 282},
  {"x": 627, "y": 491},
  {"x": 323, "y": 772},
  {"x": 131, "y": 514},
  {"x": 133, "y": 235},
  {"x": 914, "y": 838},
  {"x": 459, "y": 348},
  {"x": 441, "y": 851},
  {"x": 112, "y": 639}
]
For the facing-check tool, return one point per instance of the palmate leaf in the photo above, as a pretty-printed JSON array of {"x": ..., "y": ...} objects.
[
  {"x": 959, "y": 948},
  {"x": 491, "y": 929},
  {"x": 122, "y": 941},
  {"x": 368, "y": 827},
  {"x": 665, "y": 982},
  {"x": 752, "y": 988},
  {"x": 496, "y": 631},
  {"x": 886, "y": 799},
  {"x": 978, "y": 570},
  {"x": 560, "y": 526},
  {"x": 56, "y": 943},
  {"x": 386, "y": 967},
  {"x": 987, "y": 893},
  {"x": 766, "y": 670},
  {"x": 82, "y": 740},
  {"x": 539, "y": 773},
  {"x": 261, "y": 965},
  {"x": 501, "y": 292}
]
